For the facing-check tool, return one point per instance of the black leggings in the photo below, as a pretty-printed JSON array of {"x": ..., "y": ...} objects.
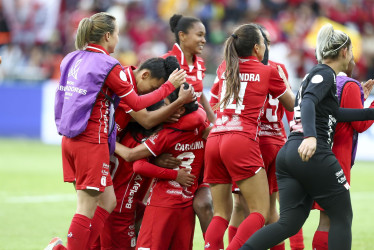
[{"x": 300, "y": 183}]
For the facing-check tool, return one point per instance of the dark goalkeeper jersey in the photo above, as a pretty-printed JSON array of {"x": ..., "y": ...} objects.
[{"x": 320, "y": 86}]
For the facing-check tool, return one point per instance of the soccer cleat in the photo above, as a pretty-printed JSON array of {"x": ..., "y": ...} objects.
[{"x": 54, "y": 242}]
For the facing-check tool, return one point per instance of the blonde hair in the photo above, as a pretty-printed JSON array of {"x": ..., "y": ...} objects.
[
  {"x": 330, "y": 42},
  {"x": 239, "y": 44},
  {"x": 91, "y": 30}
]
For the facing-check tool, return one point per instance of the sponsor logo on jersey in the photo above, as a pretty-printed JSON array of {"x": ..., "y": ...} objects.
[
  {"x": 134, "y": 189},
  {"x": 122, "y": 75},
  {"x": 70, "y": 235},
  {"x": 317, "y": 79},
  {"x": 152, "y": 138}
]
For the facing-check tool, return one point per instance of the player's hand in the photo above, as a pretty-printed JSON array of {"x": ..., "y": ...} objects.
[
  {"x": 187, "y": 95},
  {"x": 122, "y": 151},
  {"x": 177, "y": 77},
  {"x": 184, "y": 177},
  {"x": 307, "y": 148},
  {"x": 283, "y": 76},
  {"x": 173, "y": 118},
  {"x": 367, "y": 87},
  {"x": 167, "y": 161}
]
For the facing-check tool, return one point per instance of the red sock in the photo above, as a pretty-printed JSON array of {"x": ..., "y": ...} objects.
[
  {"x": 215, "y": 232},
  {"x": 249, "y": 226},
  {"x": 320, "y": 240},
  {"x": 278, "y": 247},
  {"x": 97, "y": 225},
  {"x": 79, "y": 232},
  {"x": 232, "y": 232},
  {"x": 297, "y": 241}
]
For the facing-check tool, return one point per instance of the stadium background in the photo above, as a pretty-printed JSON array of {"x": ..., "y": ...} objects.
[{"x": 36, "y": 34}]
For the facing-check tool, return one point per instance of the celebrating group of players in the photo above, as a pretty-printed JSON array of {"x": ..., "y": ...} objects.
[{"x": 149, "y": 132}]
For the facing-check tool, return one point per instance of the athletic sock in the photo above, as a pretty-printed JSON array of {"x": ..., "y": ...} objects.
[
  {"x": 249, "y": 226},
  {"x": 279, "y": 247},
  {"x": 297, "y": 241},
  {"x": 320, "y": 240},
  {"x": 232, "y": 232},
  {"x": 215, "y": 232},
  {"x": 79, "y": 232},
  {"x": 97, "y": 225}
]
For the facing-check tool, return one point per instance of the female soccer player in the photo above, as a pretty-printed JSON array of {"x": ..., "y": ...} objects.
[
  {"x": 90, "y": 78},
  {"x": 272, "y": 137},
  {"x": 351, "y": 94},
  {"x": 130, "y": 188},
  {"x": 169, "y": 218},
  {"x": 233, "y": 152},
  {"x": 307, "y": 169},
  {"x": 190, "y": 39}
]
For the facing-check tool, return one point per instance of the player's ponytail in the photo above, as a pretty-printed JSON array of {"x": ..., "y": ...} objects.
[
  {"x": 239, "y": 44},
  {"x": 180, "y": 23},
  {"x": 330, "y": 42},
  {"x": 92, "y": 30}
]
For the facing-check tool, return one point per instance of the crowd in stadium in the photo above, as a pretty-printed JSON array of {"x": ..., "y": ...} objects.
[{"x": 37, "y": 49}]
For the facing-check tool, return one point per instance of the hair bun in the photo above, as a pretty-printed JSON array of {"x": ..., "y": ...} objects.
[
  {"x": 174, "y": 21},
  {"x": 171, "y": 63}
]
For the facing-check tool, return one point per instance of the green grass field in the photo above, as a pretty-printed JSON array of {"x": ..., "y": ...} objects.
[{"x": 35, "y": 204}]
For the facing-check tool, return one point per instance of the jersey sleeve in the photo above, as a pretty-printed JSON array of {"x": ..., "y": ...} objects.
[
  {"x": 320, "y": 83},
  {"x": 143, "y": 167},
  {"x": 351, "y": 98},
  {"x": 214, "y": 93},
  {"x": 276, "y": 85},
  {"x": 157, "y": 143},
  {"x": 117, "y": 82}
]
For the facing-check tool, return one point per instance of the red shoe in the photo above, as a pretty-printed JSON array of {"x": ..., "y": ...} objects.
[{"x": 54, "y": 242}]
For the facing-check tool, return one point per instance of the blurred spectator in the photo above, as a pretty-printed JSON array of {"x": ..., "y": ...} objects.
[{"x": 36, "y": 34}]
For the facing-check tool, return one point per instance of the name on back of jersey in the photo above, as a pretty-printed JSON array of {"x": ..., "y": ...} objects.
[{"x": 249, "y": 77}]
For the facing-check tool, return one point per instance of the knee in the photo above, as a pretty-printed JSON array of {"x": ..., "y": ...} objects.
[
  {"x": 202, "y": 206},
  {"x": 108, "y": 204}
]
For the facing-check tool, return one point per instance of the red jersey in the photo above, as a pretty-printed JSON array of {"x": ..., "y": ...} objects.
[
  {"x": 272, "y": 128},
  {"x": 129, "y": 187},
  {"x": 184, "y": 141},
  {"x": 116, "y": 82},
  {"x": 122, "y": 116},
  {"x": 195, "y": 72},
  {"x": 257, "y": 81},
  {"x": 342, "y": 147},
  {"x": 214, "y": 91}
]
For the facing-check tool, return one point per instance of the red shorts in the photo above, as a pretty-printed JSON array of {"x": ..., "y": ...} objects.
[
  {"x": 231, "y": 157},
  {"x": 86, "y": 163},
  {"x": 119, "y": 232},
  {"x": 166, "y": 228},
  {"x": 269, "y": 154}
]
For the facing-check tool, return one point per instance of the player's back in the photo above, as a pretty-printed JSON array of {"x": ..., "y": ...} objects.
[{"x": 256, "y": 81}]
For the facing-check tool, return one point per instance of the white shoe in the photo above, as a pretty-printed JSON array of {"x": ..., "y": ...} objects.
[{"x": 54, "y": 242}]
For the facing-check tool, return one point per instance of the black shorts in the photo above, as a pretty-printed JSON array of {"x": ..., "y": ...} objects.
[{"x": 321, "y": 176}]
